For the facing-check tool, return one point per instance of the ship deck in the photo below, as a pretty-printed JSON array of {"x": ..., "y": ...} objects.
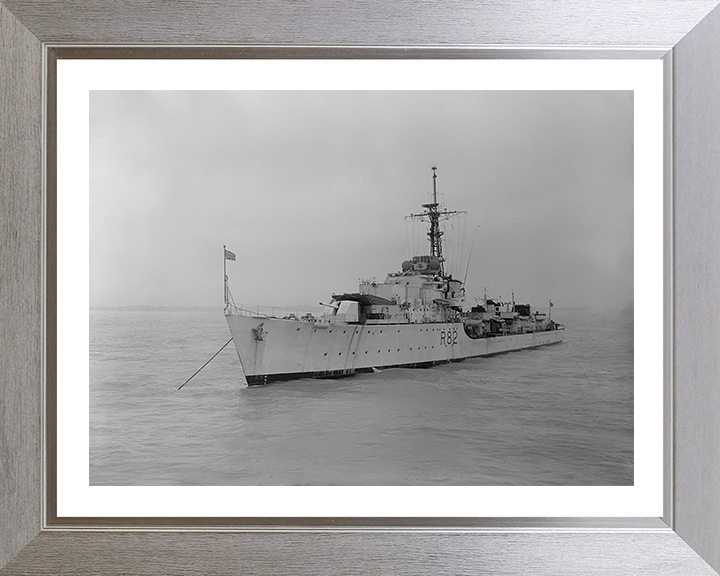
[{"x": 279, "y": 349}]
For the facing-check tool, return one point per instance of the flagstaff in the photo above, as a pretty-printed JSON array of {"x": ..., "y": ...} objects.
[{"x": 227, "y": 255}]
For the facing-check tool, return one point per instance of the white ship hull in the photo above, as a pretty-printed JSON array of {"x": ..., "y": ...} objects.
[{"x": 277, "y": 349}]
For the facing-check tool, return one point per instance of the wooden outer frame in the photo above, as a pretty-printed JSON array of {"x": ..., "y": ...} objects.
[{"x": 686, "y": 32}]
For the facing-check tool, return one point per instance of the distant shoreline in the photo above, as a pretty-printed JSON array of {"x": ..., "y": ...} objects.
[
  {"x": 157, "y": 308},
  {"x": 220, "y": 308}
]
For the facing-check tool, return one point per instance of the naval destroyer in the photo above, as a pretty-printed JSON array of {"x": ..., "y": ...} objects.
[{"x": 417, "y": 317}]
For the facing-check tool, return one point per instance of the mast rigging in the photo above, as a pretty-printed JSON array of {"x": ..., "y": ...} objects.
[{"x": 433, "y": 214}]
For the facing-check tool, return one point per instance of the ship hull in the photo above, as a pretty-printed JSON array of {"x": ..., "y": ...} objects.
[{"x": 273, "y": 349}]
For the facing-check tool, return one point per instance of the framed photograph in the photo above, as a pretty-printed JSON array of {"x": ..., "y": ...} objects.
[
  {"x": 346, "y": 407},
  {"x": 392, "y": 180}
]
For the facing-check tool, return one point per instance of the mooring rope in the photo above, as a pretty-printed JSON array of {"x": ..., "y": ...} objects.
[{"x": 206, "y": 363}]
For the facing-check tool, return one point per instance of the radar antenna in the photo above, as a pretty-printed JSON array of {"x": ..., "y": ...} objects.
[{"x": 434, "y": 214}]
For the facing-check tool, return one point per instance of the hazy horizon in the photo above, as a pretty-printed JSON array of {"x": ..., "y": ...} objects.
[{"x": 310, "y": 191}]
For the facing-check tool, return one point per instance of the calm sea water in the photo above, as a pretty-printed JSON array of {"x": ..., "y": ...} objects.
[{"x": 559, "y": 415}]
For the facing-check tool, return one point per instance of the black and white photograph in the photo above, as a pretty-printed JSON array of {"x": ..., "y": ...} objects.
[
  {"x": 361, "y": 288},
  {"x": 382, "y": 288}
]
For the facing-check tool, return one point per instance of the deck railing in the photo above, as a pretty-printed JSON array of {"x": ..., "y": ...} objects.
[{"x": 280, "y": 312}]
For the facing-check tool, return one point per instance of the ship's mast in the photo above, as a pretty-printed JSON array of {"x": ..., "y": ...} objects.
[
  {"x": 434, "y": 214},
  {"x": 435, "y": 233}
]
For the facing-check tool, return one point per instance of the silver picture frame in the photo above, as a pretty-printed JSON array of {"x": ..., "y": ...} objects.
[{"x": 685, "y": 34}]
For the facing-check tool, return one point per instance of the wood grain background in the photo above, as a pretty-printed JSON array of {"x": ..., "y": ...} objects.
[
  {"x": 20, "y": 282},
  {"x": 696, "y": 109},
  {"x": 398, "y": 23},
  {"x": 392, "y": 554}
]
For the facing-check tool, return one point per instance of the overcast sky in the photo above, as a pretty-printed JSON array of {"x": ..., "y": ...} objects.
[{"x": 310, "y": 190}]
